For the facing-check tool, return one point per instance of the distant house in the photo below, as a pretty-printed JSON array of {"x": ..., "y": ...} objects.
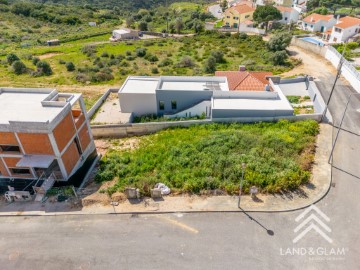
[
  {"x": 285, "y": 3},
  {"x": 92, "y": 23},
  {"x": 343, "y": 30},
  {"x": 289, "y": 14},
  {"x": 237, "y": 14},
  {"x": 318, "y": 23},
  {"x": 53, "y": 42},
  {"x": 122, "y": 34},
  {"x": 243, "y": 80}
]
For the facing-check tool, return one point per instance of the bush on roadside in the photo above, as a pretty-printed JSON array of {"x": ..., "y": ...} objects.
[{"x": 18, "y": 67}]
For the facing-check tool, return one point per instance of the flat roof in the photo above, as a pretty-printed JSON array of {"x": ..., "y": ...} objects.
[
  {"x": 141, "y": 85},
  {"x": 25, "y": 105},
  {"x": 149, "y": 85},
  {"x": 193, "y": 86},
  {"x": 250, "y": 104}
]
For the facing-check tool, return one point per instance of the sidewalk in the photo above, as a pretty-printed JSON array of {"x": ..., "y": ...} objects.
[{"x": 306, "y": 195}]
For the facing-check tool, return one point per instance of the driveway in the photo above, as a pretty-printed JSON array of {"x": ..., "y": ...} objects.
[{"x": 214, "y": 10}]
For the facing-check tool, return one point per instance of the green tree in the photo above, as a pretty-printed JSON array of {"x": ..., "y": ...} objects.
[
  {"x": 18, "y": 67},
  {"x": 265, "y": 14},
  {"x": 198, "y": 26},
  {"x": 70, "y": 66},
  {"x": 179, "y": 25},
  {"x": 279, "y": 42},
  {"x": 224, "y": 5},
  {"x": 210, "y": 65},
  {"x": 279, "y": 57},
  {"x": 143, "y": 26},
  {"x": 129, "y": 22},
  {"x": 218, "y": 55},
  {"x": 11, "y": 58}
]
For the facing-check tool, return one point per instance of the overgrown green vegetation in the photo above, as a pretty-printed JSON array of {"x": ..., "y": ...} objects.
[
  {"x": 98, "y": 62},
  {"x": 197, "y": 159},
  {"x": 155, "y": 118}
]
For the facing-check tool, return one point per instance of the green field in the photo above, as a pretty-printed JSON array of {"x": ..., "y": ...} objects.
[{"x": 199, "y": 159}]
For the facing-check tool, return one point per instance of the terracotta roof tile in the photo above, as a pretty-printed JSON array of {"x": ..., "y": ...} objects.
[
  {"x": 347, "y": 22},
  {"x": 313, "y": 18},
  {"x": 284, "y": 9},
  {"x": 242, "y": 8},
  {"x": 245, "y": 80}
]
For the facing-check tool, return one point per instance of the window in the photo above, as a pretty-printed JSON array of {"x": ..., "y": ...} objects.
[
  {"x": 311, "y": 26},
  {"x": 247, "y": 16},
  {"x": 9, "y": 148},
  {"x": 337, "y": 30},
  {"x": 77, "y": 143},
  {"x": 173, "y": 105},
  {"x": 228, "y": 17},
  {"x": 285, "y": 19},
  {"x": 20, "y": 171},
  {"x": 161, "y": 105},
  {"x": 305, "y": 24},
  {"x": 236, "y": 18}
]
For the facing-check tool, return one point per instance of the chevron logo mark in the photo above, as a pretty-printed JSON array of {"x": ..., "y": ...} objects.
[{"x": 314, "y": 221}]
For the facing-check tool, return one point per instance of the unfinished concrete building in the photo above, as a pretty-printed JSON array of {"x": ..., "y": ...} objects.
[{"x": 45, "y": 137}]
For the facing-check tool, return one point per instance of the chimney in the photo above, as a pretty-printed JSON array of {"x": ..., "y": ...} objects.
[{"x": 242, "y": 68}]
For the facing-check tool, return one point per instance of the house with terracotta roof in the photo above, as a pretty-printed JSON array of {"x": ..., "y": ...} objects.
[
  {"x": 243, "y": 80},
  {"x": 343, "y": 30},
  {"x": 318, "y": 23},
  {"x": 289, "y": 14},
  {"x": 238, "y": 14}
]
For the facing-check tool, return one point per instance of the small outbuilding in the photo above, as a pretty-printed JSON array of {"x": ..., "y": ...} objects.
[
  {"x": 123, "y": 34},
  {"x": 53, "y": 42}
]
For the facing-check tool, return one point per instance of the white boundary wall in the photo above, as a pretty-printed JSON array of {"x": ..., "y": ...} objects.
[{"x": 348, "y": 71}]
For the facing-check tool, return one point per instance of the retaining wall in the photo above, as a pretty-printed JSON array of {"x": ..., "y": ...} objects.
[
  {"x": 296, "y": 41},
  {"x": 347, "y": 70},
  {"x": 100, "y": 101}
]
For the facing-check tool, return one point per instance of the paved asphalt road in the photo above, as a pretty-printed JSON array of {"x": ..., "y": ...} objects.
[{"x": 199, "y": 241}]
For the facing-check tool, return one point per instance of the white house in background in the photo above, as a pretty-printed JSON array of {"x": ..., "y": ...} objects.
[
  {"x": 344, "y": 29},
  {"x": 92, "y": 23},
  {"x": 288, "y": 14},
  {"x": 122, "y": 34},
  {"x": 318, "y": 23}
]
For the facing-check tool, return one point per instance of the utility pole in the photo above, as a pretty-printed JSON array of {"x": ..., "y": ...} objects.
[
  {"x": 341, "y": 62},
  {"x": 243, "y": 166}
]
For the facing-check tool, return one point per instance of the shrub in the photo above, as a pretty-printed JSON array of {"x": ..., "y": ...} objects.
[
  {"x": 166, "y": 62},
  {"x": 70, "y": 66},
  {"x": 18, "y": 67},
  {"x": 35, "y": 60},
  {"x": 140, "y": 52},
  {"x": 186, "y": 61},
  {"x": 104, "y": 54},
  {"x": 218, "y": 56},
  {"x": 143, "y": 26},
  {"x": 11, "y": 58},
  {"x": 89, "y": 50},
  {"x": 279, "y": 57},
  {"x": 154, "y": 70},
  {"x": 43, "y": 68},
  {"x": 61, "y": 62},
  {"x": 151, "y": 58}
]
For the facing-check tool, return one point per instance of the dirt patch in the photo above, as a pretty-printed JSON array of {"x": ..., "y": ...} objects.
[
  {"x": 102, "y": 146},
  {"x": 96, "y": 198},
  {"x": 118, "y": 197},
  {"x": 49, "y": 55}
]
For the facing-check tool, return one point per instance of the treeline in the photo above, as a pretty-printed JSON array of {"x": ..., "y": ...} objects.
[{"x": 125, "y": 5}]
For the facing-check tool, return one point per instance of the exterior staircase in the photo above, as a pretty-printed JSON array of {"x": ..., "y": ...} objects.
[{"x": 41, "y": 191}]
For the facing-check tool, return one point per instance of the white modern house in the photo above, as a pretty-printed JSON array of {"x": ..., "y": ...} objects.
[
  {"x": 289, "y": 14},
  {"x": 343, "y": 30},
  {"x": 318, "y": 23},
  {"x": 122, "y": 34},
  {"x": 185, "y": 96}
]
